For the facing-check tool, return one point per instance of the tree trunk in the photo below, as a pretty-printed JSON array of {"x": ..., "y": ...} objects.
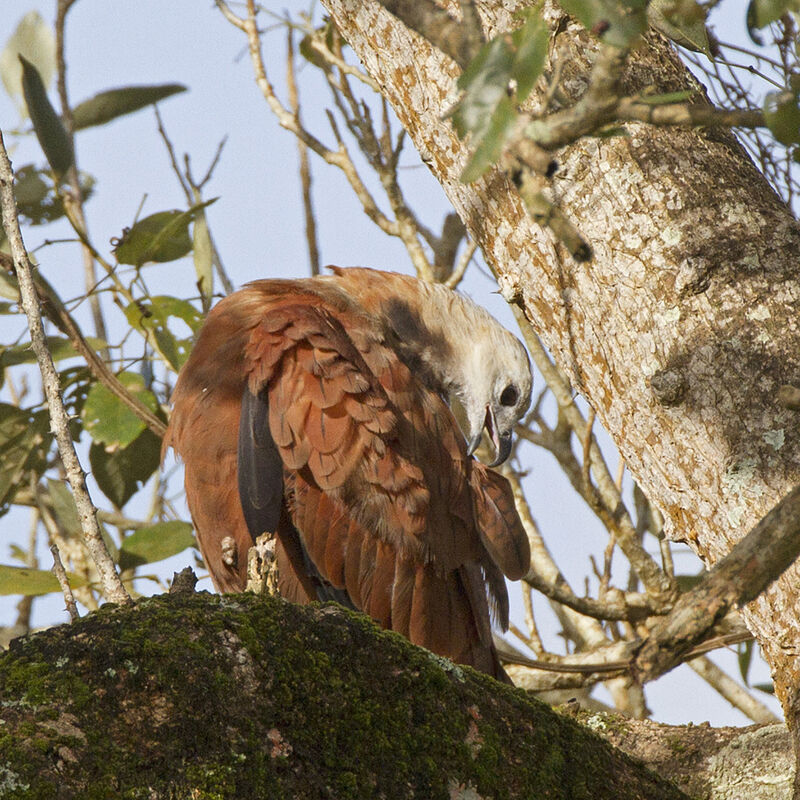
[
  {"x": 203, "y": 696},
  {"x": 684, "y": 325}
]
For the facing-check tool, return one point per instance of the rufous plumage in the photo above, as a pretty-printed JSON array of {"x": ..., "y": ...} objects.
[{"x": 317, "y": 409}]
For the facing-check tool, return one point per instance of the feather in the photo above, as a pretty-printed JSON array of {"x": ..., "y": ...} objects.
[
  {"x": 323, "y": 401},
  {"x": 260, "y": 468},
  {"x": 500, "y": 527}
]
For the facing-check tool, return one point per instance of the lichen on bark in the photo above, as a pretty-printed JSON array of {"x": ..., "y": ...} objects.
[{"x": 202, "y": 696}]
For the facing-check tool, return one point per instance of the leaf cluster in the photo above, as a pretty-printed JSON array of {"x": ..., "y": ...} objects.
[
  {"x": 498, "y": 80},
  {"x": 124, "y": 451}
]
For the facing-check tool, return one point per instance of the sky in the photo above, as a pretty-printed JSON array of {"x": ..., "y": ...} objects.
[{"x": 258, "y": 227}]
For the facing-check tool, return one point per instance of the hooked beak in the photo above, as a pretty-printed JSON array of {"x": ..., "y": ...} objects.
[{"x": 501, "y": 442}]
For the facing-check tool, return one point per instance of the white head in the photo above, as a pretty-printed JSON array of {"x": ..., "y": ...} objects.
[
  {"x": 458, "y": 348},
  {"x": 494, "y": 386}
]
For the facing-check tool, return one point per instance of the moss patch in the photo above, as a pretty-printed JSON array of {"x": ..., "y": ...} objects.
[{"x": 209, "y": 697}]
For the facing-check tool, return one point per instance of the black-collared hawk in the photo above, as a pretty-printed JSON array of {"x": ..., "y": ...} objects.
[{"x": 317, "y": 409}]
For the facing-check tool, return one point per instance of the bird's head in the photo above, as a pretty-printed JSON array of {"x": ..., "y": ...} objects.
[
  {"x": 455, "y": 347},
  {"x": 495, "y": 390}
]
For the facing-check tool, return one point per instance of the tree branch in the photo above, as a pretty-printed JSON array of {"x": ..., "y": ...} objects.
[
  {"x": 63, "y": 582},
  {"x": 753, "y": 564},
  {"x": 74, "y": 199},
  {"x": 55, "y": 310},
  {"x": 110, "y": 581}
]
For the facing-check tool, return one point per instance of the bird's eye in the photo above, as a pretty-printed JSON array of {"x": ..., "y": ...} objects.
[{"x": 509, "y": 396}]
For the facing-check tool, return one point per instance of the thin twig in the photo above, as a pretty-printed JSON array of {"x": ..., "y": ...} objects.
[
  {"x": 25, "y": 605},
  {"x": 66, "y": 589},
  {"x": 338, "y": 158},
  {"x": 461, "y": 265},
  {"x": 109, "y": 579},
  {"x": 615, "y": 515},
  {"x": 319, "y": 46},
  {"x": 586, "y": 464},
  {"x": 533, "y": 640},
  {"x": 305, "y": 168},
  {"x": 753, "y": 563},
  {"x": 73, "y": 199},
  {"x": 55, "y": 310},
  {"x": 191, "y": 190}
]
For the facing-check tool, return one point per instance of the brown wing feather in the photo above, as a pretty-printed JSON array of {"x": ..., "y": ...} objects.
[
  {"x": 381, "y": 500},
  {"x": 500, "y": 527}
]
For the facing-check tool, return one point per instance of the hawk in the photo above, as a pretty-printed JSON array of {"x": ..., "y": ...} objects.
[{"x": 320, "y": 410}]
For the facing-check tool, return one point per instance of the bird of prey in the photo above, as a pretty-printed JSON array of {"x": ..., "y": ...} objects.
[{"x": 319, "y": 410}]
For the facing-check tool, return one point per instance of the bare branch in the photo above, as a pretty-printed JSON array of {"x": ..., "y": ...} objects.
[
  {"x": 615, "y": 516},
  {"x": 319, "y": 45},
  {"x": 55, "y": 310},
  {"x": 753, "y": 563},
  {"x": 110, "y": 581},
  {"x": 74, "y": 200},
  {"x": 461, "y": 265},
  {"x": 305, "y": 169},
  {"x": 63, "y": 582}
]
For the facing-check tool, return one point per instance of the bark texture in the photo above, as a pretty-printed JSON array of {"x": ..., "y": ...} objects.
[
  {"x": 708, "y": 763},
  {"x": 684, "y": 325},
  {"x": 212, "y": 697}
]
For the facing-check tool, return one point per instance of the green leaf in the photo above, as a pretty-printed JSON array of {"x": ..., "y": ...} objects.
[
  {"x": 50, "y": 132},
  {"x": 203, "y": 253},
  {"x": 491, "y": 143},
  {"x": 66, "y": 512},
  {"x": 164, "y": 307},
  {"x": 108, "y": 105},
  {"x": 485, "y": 84},
  {"x": 761, "y": 13},
  {"x": 33, "y": 582},
  {"x": 9, "y": 288},
  {"x": 153, "y": 315},
  {"x": 155, "y": 543},
  {"x": 29, "y": 188},
  {"x": 37, "y": 197},
  {"x": 782, "y": 115},
  {"x": 33, "y": 38},
  {"x": 24, "y": 441},
  {"x": 59, "y": 346},
  {"x": 688, "y": 582},
  {"x": 309, "y": 53},
  {"x": 76, "y": 382},
  {"x": 496, "y": 80},
  {"x": 64, "y": 508},
  {"x": 161, "y": 237},
  {"x": 768, "y": 688},
  {"x": 616, "y": 22},
  {"x": 531, "y": 40},
  {"x": 122, "y": 472},
  {"x": 744, "y": 655},
  {"x": 682, "y": 21},
  {"x": 327, "y": 31},
  {"x": 108, "y": 420}
]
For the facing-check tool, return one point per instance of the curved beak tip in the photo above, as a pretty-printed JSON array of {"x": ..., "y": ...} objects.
[
  {"x": 501, "y": 441},
  {"x": 503, "y": 449}
]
